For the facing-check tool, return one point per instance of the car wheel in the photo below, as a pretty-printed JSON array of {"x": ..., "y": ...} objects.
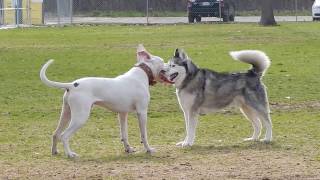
[
  {"x": 191, "y": 18},
  {"x": 225, "y": 17},
  {"x": 198, "y": 18},
  {"x": 231, "y": 18}
]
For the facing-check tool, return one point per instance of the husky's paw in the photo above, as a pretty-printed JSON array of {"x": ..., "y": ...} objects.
[
  {"x": 180, "y": 143},
  {"x": 151, "y": 150},
  {"x": 72, "y": 155},
  {"x": 250, "y": 139},
  {"x": 187, "y": 144},
  {"x": 265, "y": 140},
  {"x": 184, "y": 144},
  {"x": 130, "y": 150}
]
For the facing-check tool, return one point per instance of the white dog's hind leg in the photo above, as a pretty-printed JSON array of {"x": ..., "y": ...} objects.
[
  {"x": 80, "y": 111},
  {"x": 123, "y": 121},
  {"x": 251, "y": 115},
  {"x": 142, "y": 118},
  {"x": 64, "y": 120}
]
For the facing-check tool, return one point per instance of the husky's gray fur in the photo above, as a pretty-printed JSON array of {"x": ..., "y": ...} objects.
[{"x": 201, "y": 91}]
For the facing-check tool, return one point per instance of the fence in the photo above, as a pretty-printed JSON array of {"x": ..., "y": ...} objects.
[
  {"x": 17, "y": 13},
  {"x": 139, "y": 11},
  {"x": 152, "y": 11},
  {"x": 14, "y": 12}
]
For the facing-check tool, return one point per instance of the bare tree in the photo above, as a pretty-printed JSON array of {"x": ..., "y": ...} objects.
[{"x": 267, "y": 17}]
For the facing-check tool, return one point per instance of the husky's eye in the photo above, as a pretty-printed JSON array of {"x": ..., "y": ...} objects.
[{"x": 173, "y": 65}]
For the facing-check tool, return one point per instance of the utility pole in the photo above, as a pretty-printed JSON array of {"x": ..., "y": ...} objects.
[
  {"x": 147, "y": 12},
  {"x": 296, "y": 10}
]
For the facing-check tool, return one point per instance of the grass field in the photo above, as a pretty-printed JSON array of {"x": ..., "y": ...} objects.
[{"x": 29, "y": 110}]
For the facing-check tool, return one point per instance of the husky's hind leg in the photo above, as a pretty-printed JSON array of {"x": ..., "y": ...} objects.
[{"x": 252, "y": 116}]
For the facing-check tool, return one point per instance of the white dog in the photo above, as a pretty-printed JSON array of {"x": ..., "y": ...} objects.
[{"x": 126, "y": 93}]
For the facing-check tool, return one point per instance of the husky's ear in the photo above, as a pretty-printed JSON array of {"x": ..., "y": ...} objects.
[
  {"x": 176, "y": 53},
  {"x": 179, "y": 53},
  {"x": 192, "y": 68},
  {"x": 142, "y": 53},
  {"x": 183, "y": 55}
]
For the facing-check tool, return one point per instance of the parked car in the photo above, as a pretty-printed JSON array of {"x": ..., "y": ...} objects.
[
  {"x": 316, "y": 10},
  {"x": 210, "y": 8}
]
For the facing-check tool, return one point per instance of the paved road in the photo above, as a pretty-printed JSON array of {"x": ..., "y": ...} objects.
[{"x": 175, "y": 20}]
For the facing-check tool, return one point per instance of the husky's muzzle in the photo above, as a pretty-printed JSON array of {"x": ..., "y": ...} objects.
[
  {"x": 173, "y": 76},
  {"x": 163, "y": 77}
]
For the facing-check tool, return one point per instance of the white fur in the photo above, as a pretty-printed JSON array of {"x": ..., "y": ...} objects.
[{"x": 126, "y": 93}]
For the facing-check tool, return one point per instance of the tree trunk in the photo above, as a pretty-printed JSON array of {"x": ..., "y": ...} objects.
[{"x": 267, "y": 17}]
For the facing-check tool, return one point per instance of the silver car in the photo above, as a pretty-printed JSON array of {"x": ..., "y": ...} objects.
[{"x": 316, "y": 10}]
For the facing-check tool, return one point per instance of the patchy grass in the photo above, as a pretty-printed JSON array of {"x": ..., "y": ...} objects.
[{"x": 29, "y": 110}]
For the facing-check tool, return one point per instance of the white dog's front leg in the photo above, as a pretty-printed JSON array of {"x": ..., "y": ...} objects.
[
  {"x": 123, "y": 121},
  {"x": 142, "y": 118}
]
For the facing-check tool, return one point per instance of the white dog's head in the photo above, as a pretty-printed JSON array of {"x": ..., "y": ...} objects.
[
  {"x": 179, "y": 67},
  {"x": 155, "y": 63}
]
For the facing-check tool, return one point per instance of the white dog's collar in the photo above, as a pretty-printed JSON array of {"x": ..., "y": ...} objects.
[{"x": 149, "y": 73}]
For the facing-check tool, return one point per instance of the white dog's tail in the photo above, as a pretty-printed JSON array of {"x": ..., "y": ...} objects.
[
  {"x": 49, "y": 83},
  {"x": 259, "y": 60}
]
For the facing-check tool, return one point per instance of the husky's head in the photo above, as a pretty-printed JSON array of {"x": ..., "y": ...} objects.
[
  {"x": 155, "y": 63},
  {"x": 179, "y": 67}
]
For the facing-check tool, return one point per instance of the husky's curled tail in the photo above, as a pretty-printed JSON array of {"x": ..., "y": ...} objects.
[{"x": 259, "y": 60}]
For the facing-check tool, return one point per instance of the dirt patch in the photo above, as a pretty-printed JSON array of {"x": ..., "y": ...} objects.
[
  {"x": 246, "y": 164},
  {"x": 315, "y": 105}
]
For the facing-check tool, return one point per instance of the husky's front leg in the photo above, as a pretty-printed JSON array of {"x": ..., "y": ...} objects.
[
  {"x": 191, "y": 133},
  {"x": 142, "y": 118},
  {"x": 186, "y": 121}
]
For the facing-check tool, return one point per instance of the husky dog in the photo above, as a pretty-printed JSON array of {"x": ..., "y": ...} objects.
[
  {"x": 126, "y": 93},
  {"x": 201, "y": 91}
]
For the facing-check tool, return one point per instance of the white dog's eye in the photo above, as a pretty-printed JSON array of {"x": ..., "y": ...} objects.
[{"x": 173, "y": 65}]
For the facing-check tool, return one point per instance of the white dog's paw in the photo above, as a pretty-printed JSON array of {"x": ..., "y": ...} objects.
[
  {"x": 72, "y": 155},
  {"x": 130, "y": 150},
  {"x": 151, "y": 150},
  {"x": 250, "y": 139}
]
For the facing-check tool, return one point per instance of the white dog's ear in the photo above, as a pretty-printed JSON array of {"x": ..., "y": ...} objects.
[
  {"x": 179, "y": 53},
  {"x": 142, "y": 53}
]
